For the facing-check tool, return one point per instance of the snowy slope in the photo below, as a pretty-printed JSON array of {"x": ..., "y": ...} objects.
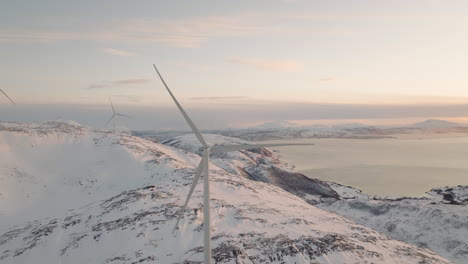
[
  {"x": 253, "y": 221},
  {"x": 49, "y": 168},
  {"x": 438, "y": 222}
]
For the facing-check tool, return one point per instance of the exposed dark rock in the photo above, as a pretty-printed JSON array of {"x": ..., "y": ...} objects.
[{"x": 293, "y": 182}]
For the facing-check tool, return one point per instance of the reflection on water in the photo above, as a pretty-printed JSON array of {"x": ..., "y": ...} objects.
[{"x": 405, "y": 166}]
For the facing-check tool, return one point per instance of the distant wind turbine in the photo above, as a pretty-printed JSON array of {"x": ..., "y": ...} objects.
[
  {"x": 7, "y": 96},
  {"x": 114, "y": 115},
  {"x": 203, "y": 167}
]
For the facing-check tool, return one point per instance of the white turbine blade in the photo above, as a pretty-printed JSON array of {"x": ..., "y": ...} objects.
[
  {"x": 187, "y": 118},
  {"x": 110, "y": 119},
  {"x": 206, "y": 209},
  {"x": 122, "y": 115},
  {"x": 7, "y": 96},
  {"x": 112, "y": 105},
  {"x": 192, "y": 188},
  {"x": 229, "y": 148}
]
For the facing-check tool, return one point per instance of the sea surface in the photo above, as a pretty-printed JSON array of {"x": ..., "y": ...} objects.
[{"x": 401, "y": 166}]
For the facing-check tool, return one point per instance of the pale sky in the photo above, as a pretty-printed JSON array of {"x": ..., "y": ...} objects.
[{"x": 237, "y": 55}]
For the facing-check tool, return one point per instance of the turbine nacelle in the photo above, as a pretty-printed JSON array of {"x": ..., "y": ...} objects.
[{"x": 206, "y": 151}]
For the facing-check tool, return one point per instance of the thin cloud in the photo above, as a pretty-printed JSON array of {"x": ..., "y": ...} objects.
[
  {"x": 119, "y": 83},
  {"x": 29, "y": 36},
  {"x": 272, "y": 65},
  {"x": 192, "y": 32},
  {"x": 217, "y": 98},
  {"x": 328, "y": 79},
  {"x": 189, "y": 32},
  {"x": 130, "y": 82},
  {"x": 118, "y": 52}
]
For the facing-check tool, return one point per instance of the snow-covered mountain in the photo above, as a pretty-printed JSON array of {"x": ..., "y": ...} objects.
[
  {"x": 435, "y": 123},
  {"x": 287, "y": 130},
  {"x": 259, "y": 165},
  {"x": 49, "y": 168},
  {"x": 294, "y": 132},
  {"x": 113, "y": 198},
  {"x": 257, "y": 134},
  {"x": 350, "y": 126},
  {"x": 399, "y": 218},
  {"x": 280, "y": 124},
  {"x": 351, "y": 130},
  {"x": 438, "y": 222}
]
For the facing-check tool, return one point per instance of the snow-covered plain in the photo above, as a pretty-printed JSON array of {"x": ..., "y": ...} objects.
[{"x": 100, "y": 197}]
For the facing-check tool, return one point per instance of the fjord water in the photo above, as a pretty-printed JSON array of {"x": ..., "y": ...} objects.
[{"x": 400, "y": 166}]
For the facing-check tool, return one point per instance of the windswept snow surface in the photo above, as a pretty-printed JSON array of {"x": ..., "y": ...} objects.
[{"x": 126, "y": 193}]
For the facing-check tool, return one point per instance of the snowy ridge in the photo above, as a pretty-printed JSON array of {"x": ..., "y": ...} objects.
[
  {"x": 78, "y": 165},
  {"x": 259, "y": 165},
  {"x": 253, "y": 221}
]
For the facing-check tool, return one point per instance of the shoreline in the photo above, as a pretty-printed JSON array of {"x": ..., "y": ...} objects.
[{"x": 405, "y": 165}]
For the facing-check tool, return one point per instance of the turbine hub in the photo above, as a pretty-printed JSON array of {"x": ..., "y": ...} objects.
[{"x": 206, "y": 150}]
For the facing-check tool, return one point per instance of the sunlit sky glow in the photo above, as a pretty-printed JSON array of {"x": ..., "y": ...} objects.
[{"x": 237, "y": 55}]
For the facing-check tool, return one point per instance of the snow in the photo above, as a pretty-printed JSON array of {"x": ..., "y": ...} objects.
[
  {"x": 286, "y": 130},
  {"x": 114, "y": 198},
  {"x": 435, "y": 123},
  {"x": 432, "y": 222},
  {"x": 280, "y": 124},
  {"x": 50, "y": 168}
]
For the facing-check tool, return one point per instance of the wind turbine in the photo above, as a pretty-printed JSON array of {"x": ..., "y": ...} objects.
[
  {"x": 7, "y": 96},
  {"x": 203, "y": 167},
  {"x": 114, "y": 115}
]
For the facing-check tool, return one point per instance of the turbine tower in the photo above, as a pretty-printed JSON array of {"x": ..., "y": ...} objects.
[
  {"x": 203, "y": 168},
  {"x": 114, "y": 115},
  {"x": 7, "y": 96}
]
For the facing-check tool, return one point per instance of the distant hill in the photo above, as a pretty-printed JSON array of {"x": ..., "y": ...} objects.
[
  {"x": 276, "y": 125},
  {"x": 288, "y": 130},
  {"x": 436, "y": 123}
]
